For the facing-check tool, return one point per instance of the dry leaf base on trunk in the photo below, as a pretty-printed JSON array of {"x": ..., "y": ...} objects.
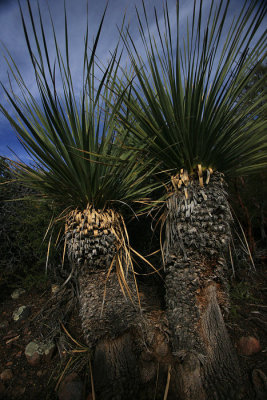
[{"x": 197, "y": 235}]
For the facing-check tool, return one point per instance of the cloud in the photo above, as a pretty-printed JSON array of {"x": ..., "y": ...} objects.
[{"x": 12, "y": 36}]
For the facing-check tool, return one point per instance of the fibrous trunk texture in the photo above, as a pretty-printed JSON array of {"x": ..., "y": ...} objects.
[
  {"x": 109, "y": 308},
  {"x": 197, "y": 235},
  {"x": 105, "y": 311},
  {"x": 110, "y": 321}
]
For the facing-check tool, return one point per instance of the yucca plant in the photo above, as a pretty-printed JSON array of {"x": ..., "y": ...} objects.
[
  {"x": 83, "y": 167},
  {"x": 190, "y": 108}
]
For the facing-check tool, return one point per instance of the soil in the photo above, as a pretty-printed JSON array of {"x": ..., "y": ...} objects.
[
  {"x": 30, "y": 382},
  {"x": 248, "y": 317}
]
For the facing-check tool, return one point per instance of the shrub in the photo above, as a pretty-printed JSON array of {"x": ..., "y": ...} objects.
[{"x": 23, "y": 224}]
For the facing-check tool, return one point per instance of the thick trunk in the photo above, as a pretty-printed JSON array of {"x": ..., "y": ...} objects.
[
  {"x": 110, "y": 323},
  {"x": 105, "y": 311},
  {"x": 206, "y": 363},
  {"x": 115, "y": 368},
  {"x": 131, "y": 352},
  {"x": 198, "y": 232},
  {"x": 110, "y": 319}
]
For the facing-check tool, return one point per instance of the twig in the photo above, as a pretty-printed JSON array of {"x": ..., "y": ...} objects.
[{"x": 167, "y": 383}]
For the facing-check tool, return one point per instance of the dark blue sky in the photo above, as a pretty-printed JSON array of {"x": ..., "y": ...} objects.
[{"x": 11, "y": 35}]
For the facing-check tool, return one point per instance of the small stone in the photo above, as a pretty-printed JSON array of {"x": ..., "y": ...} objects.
[
  {"x": 18, "y": 355},
  {"x": 17, "y": 293},
  {"x": 71, "y": 388},
  {"x": 48, "y": 350},
  {"x": 6, "y": 375},
  {"x": 21, "y": 313},
  {"x": 34, "y": 360},
  {"x": 32, "y": 353},
  {"x": 39, "y": 373},
  {"x": 35, "y": 351},
  {"x": 248, "y": 345}
]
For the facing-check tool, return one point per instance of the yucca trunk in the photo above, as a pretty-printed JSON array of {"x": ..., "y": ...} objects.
[
  {"x": 108, "y": 299},
  {"x": 197, "y": 235}
]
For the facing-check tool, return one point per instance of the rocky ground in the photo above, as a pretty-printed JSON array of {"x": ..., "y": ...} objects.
[
  {"x": 247, "y": 324},
  {"x": 34, "y": 368},
  {"x": 31, "y": 366}
]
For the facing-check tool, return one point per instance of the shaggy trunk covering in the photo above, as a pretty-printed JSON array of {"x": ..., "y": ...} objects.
[{"x": 197, "y": 235}]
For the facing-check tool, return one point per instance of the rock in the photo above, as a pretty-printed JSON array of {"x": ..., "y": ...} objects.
[
  {"x": 248, "y": 345},
  {"x": 34, "y": 359},
  {"x": 32, "y": 353},
  {"x": 48, "y": 350},
  {"x": 36, "y": 351},
  {"x": 71, "y": 388},
  {"x": 4, "y": 325},
  {"x": 21, "y": 313},
  {"x": 18, "y": 355},
  {"x": 6, "y": 375},
  {"x": 17, "y": 293}
]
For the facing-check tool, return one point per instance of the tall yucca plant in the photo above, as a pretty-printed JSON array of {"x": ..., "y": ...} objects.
[
  {"x": 190, "y": 108},
  {"x": 189, "y": 95},
  {"x": 82, "y": 166}
]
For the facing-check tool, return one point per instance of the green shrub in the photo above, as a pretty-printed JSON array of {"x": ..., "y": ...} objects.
[{"x": 23, "y": 224}]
